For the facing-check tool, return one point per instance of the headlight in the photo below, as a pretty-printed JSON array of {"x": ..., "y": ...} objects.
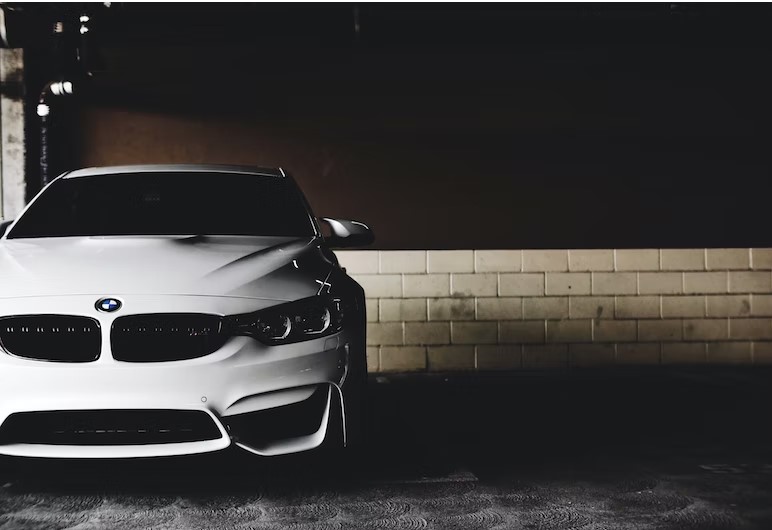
[{"x": 305, "y": 319}]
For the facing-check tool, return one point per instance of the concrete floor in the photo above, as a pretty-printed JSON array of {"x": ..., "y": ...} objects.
[{"x": 635, "y": 450}]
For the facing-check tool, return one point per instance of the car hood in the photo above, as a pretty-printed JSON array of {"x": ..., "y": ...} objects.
[{"x": 276, "y": 268}]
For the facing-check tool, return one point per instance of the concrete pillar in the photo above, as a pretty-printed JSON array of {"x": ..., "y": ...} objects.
[{"x": 12, "y": 144}]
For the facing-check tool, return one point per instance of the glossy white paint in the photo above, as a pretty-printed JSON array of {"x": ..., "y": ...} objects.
[
  {"x": 299, "y": 443},
  {"x": 242, "y": 376},
  {"x": 249, "y": 267},
  {"x": 222, "y": 275},
  {"x": 269, "y": 400}
]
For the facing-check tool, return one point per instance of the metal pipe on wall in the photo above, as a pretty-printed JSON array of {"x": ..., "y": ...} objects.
[
  {"x": 43, "y": 111},
  {"x": 52, "y": 89}
]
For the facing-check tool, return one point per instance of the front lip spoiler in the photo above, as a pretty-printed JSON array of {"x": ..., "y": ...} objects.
[{"x": 304, "y": 443}]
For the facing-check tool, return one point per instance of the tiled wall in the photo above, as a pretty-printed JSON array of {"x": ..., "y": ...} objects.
[{"x": 511, "y": 309}]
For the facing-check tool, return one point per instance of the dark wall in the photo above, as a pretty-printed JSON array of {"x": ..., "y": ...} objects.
[{"x": 465, "y": 127}]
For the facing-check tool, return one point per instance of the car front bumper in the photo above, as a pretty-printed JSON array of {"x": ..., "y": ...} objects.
[{"x": 241, "y": 378}]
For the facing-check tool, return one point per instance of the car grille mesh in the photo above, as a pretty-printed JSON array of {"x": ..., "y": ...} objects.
[
  {"x": 166, "y": 337},
  {"x": 51, "y": 337},
  {"x": 108, "y": 427}
]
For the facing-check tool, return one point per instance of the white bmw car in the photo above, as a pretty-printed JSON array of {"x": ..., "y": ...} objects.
[{"x": 174, "y": 310}]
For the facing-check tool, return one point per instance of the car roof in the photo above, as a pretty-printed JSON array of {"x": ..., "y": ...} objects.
[{"x": 175, "y": 168}]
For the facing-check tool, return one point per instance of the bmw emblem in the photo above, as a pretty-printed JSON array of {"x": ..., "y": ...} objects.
[{"x": 108, "y": 305}]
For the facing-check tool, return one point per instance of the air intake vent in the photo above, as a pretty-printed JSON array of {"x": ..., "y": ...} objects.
[
  {"x": 51, "y": 337},
  {"x": 166, "y": 337},
  {"x": 108, "y": 427},
  {"x": 288, "y": 421}
]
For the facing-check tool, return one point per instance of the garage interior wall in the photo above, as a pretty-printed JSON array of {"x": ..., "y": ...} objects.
[{"x": 446, "y": 310}]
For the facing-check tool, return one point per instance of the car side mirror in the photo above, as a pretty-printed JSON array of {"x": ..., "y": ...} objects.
[
  {"x": 4, "y": 226},
  {"x": 345, "y": 233}
]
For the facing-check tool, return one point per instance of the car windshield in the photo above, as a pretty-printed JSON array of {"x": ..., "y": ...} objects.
[{"x": 173, "y": 203}]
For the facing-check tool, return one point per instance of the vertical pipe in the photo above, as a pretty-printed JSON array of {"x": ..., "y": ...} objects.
[
  {"x": 83, "y": 48},
  {"x": 55, "y": 89},
  {"x": 45, "y": 121},
  {"x": 44, "y": 109}
]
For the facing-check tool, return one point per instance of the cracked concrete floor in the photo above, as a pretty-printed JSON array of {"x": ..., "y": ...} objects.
[{"x": 637, "y": 450}]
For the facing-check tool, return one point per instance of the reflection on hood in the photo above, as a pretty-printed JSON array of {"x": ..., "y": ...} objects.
[{"x": 277, "y": 268}]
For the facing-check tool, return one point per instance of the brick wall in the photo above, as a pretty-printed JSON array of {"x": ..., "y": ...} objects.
[{"x": 509, "y": 309}]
